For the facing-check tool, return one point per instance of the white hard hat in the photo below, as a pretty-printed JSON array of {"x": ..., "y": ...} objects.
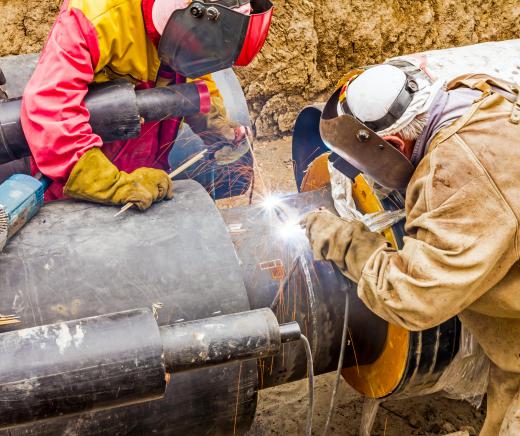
[
  {"x": 162, "y": 10},
  {"x": 378, "y": 96}
]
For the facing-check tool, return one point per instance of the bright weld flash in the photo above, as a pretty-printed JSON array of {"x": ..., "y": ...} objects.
[
  {"x": 290, "y": 230},
  {"x": 271, "y": 202}
]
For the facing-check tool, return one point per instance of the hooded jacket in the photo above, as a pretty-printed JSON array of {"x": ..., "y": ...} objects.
[
  {"x": 93, "y": 41},
  {"x": 462, "y": 253}
]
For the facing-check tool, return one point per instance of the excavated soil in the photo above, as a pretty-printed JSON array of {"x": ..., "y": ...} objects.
[{"x": 312, "y": 43}]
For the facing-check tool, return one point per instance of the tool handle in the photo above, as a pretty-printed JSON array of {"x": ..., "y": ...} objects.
[{"x": 174, "y": 173}]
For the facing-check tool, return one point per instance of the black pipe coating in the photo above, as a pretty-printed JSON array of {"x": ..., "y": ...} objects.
[
  {"x": 77, "y": 366},
  {"x": 220, "y": 339},
  {"x": 168, "y": 102}
]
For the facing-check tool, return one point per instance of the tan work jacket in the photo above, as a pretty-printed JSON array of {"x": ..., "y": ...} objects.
[{"x": 462, "y": 253}]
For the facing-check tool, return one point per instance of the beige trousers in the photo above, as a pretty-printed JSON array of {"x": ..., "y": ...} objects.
[{"x": 503, "y": 404}]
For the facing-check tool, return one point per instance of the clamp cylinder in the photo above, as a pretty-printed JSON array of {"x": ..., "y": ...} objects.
[
  {"x": 222, "y": 339},
  {"x": 78, "y": 366},
  {"x": 117, "y": 112}
]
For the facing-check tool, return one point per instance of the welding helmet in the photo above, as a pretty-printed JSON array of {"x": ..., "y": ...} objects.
[
  {"x": 370, "y": 101},
  {"x": 204, "y": 36}
]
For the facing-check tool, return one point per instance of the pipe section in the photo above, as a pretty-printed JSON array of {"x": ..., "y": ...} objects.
[
  {"x": 84, "y": 365},
  {"x": 116, "y": 112},
  {"x": 171, "y": 101},
  {"x": 221, "y": 339},
  {"x": 74, "y": 260}
]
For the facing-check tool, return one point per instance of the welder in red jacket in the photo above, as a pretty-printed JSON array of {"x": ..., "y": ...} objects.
[{"x": 148, "y": 42}]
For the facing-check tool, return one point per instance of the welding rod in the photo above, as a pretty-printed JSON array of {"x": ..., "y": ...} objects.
[{"x": 174, "y": 173}]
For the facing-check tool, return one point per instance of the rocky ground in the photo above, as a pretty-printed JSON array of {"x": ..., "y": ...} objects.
[
  {"x": 282, "y": 410},
  {"x": 312, "y": 43}
]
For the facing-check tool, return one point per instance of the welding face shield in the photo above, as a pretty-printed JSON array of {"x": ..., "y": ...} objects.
[
  {"x": 358, "y": 144},
  {"x": 209, "y": 36}
]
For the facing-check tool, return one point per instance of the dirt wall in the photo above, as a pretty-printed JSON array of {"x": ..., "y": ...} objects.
[{"x": 312, "y": 42}]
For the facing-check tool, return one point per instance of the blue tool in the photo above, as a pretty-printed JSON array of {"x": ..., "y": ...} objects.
[{"x": 21, "y": 196}]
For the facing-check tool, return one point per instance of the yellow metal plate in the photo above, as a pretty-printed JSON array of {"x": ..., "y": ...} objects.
[
  {"x": 317, "y": 174},
  {"x": 381, "y": 377}
]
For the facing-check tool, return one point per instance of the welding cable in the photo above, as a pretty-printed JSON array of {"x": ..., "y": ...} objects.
[
  {"x": 310, "y": 370},
  {"x": 340, "y": 364}
]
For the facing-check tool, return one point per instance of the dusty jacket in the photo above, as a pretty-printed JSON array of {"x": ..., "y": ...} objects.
[{"x": 462, "y": 252}]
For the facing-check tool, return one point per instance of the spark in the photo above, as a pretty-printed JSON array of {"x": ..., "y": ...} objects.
[
  {"x": 291, "y": 230},
  {"x": 271, "y": 202}
]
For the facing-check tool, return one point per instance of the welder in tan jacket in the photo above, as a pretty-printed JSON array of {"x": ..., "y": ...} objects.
[{"x": 455, "y": 150}]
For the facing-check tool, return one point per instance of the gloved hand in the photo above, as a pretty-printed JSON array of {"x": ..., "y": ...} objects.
[
  {"x": 95, "y": 178},
  {"x": 349, "y": 244},
  {"x": 224, "y": 137}
]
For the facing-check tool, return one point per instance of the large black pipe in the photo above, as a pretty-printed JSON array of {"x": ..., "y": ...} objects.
[
  {"x": 74, "y": 260},
  {"x": 116, "y": 112},
  {"x": 80, "y": 366},
  {"x": 113, "y": 360}
]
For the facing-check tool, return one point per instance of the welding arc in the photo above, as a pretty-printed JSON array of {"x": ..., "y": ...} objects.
[
  {"x": 332, "y": 404},
  {"x": 174, "y": 173}
]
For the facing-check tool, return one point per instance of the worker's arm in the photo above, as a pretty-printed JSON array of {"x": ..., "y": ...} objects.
[
  {"x": 462, "y": 243},
  {"x": 53, "y": 115},
  {"x": 215, "y": 128}
]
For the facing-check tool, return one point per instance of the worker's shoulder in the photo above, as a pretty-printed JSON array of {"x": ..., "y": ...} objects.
[
  {"x": 95, "y": 9},
  {"x": 449, "y": 171}
]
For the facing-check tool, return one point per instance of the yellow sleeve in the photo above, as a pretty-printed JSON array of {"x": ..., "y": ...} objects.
[{"x": 212, "y": 86}]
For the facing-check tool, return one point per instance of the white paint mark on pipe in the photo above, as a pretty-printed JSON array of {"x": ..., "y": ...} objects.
[
  {"x": 78, "y": 336},
  {"x": 64, "y": 338}
]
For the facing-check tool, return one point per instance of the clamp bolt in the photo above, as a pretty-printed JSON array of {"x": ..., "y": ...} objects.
[
  {"x": 362, "y": 135},
  {"x": 197, "y": 10},
  {"x": 213, "y": 13}
]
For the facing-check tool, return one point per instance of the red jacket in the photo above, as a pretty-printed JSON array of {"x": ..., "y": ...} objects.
[{"x": 93, "y": 41}]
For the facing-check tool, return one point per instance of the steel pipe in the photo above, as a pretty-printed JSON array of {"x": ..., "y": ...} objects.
[
  {"x": 80, "y": 366},
  {"x": 219, "y": 340}
]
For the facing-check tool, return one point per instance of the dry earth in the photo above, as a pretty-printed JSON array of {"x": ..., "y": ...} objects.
[{"x": 313, "y": 42}]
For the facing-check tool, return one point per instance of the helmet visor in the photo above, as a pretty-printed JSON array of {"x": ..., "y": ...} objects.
[
  {"x": 363, "y": 148},
  {"x": 257, "y": 31},
  {"x": 204, "y": 38}
]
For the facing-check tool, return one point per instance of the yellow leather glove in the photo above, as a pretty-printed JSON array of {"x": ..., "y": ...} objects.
[
  {"x": 214, "y": 125},
  {"x": 349, "y": 244},
  {"x": 95, "y": 178}
]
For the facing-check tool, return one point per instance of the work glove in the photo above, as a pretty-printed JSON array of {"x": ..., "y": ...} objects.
[
  {"x": 348, "y": 244},
  {"x": 95, "y": 178},
  {"x": 227, "y": 140}
]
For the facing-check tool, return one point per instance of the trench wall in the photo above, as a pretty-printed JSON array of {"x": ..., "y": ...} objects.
[{"x": 312, "y": 43}]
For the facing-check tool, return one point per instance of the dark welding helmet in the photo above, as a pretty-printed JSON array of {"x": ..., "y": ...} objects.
[
  {"x": 211, "y": 35},
  {"x": 356, "y": 141}
]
